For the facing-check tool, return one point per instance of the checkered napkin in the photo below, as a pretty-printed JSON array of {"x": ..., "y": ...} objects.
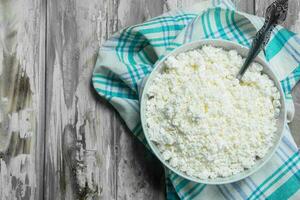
[{"x": 129, "y": 56}]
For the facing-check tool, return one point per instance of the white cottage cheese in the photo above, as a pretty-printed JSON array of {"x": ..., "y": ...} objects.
[{"x": 203, "y": 120}]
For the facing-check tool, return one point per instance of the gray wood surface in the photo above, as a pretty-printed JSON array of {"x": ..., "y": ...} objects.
[
  {"x": 245, "y": 5},
  {"x": 22, "y": 76},
  {"x": 58, "y": 140},
  {"x": 90, "y": 153}
]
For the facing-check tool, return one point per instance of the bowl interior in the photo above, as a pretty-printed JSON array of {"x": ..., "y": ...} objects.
[{"x": 243, "y": 52}]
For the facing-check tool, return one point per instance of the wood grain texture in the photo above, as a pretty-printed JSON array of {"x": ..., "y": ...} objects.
[
  {"x": 175, "y": 4},
  {"x": 139, "y": 175},
  {"x": 242, "y": 5},
  {"x": 89, "y": 152},
  {"x": 80, "y": 145},
  {"x": 247, "y": 6},
  {"x": 22, "y": 58}
]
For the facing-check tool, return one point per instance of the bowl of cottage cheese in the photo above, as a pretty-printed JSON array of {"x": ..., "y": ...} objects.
[{"x": 205, "y": 125}]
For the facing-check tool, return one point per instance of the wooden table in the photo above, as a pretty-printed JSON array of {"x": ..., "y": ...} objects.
[{"x": 58, "y": 140}]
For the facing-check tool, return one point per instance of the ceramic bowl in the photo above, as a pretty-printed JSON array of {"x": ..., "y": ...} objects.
[{"x": 227, "y": 45}]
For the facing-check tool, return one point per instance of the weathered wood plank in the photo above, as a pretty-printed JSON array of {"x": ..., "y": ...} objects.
[
  {"x": 242, "y": 5},
  {"x": 139, "y": 175},
  {"x": 80, "y": 145},
  {"x": 22, "y": 60},
  {"x": 175, "y": 4},
  {"x": 247, "y": 6},
  {"x": 296, "y": 26},
  {"x": 89, "y": 152}
]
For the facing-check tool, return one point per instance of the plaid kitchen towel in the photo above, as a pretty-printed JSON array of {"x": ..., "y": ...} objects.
[{"x": 129, "y": 56}]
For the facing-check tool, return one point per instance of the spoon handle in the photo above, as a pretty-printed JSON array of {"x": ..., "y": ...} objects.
[{"x": 275, "y": 14}]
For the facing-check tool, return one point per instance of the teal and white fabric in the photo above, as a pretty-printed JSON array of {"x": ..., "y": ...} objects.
[{"x": 129, "y": 56}]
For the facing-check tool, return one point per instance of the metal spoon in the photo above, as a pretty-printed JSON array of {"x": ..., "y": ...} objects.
[{"x": 275, "y": 14}]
